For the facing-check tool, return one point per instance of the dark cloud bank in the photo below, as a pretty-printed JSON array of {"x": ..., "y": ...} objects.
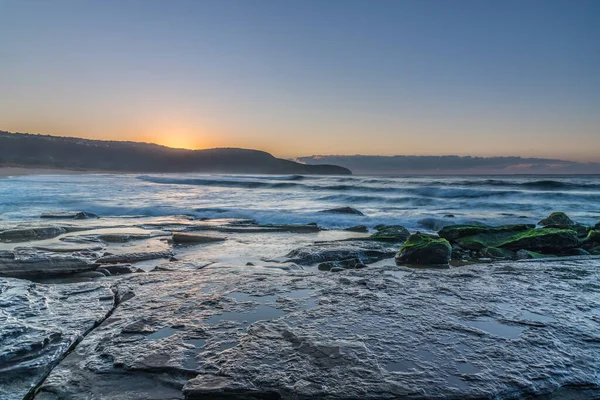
[{"x": 453, "y": 165}]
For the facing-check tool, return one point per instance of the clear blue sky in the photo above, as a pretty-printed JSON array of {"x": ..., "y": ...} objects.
[{"x": 298, "y": 78}]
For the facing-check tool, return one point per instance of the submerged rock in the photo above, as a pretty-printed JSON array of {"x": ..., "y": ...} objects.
[
  {"x": 358, "y": 228},
  {"x": 557, "y": 219},
  {"x": 343, "y": 210},
  {"x": 421, "y": 249},
  {"x": 390, "y": 233},
  {"x": 43, "y": 266},
  {"x": 192, "y": 238}
]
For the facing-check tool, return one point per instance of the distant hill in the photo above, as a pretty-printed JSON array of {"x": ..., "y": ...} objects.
[
  {"x": 82, "y": 154},
  {"x": 441, "y": 165}
]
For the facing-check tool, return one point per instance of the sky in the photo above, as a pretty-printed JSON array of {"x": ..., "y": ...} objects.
[{"x": 298, "y": 78}]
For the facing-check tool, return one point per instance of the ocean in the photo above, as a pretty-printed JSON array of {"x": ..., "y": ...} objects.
[{"x": 424, "y": 203}]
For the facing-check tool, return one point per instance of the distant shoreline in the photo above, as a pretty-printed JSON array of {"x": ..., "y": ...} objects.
[{"x": 6, "y": 172}]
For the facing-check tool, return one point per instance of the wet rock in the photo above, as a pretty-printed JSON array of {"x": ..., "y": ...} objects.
[
  {"x": 557, "y": 219},
  {"x": 207, "y": 386},
  {"x": 255, "y": 228},
  {"x": 376, "y": 333},
  {"x": 390, "y": 233},
  {"x": 449, "y": 216},
  {"x": 528, "y": 255},
  {"x": 70, "y": 215},
  {"x": 67, "y": 248},
  {"x": 39, "y": 324},
  {"x": 454, "y": 232},
  {"x": 7, "y": 255},
  {"x": 597, "y": 226},
  {"x": 497, "y": 254},
  {"x": 576, "y": 252},
  {"x": 133, "y": 257},
  {"x": 593, "y": 236},
  {"x": 343, "y": 210},
  {"x": 422, "y": 249},
  {"x": 41, "y": 266},
  {"x": 120, "y": 269},
  {"x": 550, "y": 240},
  {"x": 27, "y": 234},
  {"x": 358, "y": 228},
  {"x": 192, "y": 238},
  {"x": 366, "y": 251},
  {"x": 351, "y": 263}
]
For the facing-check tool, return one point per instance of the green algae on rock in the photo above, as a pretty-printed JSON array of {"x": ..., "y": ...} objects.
[
  {"x": 390, "y": 233},
  {"x": 454, "y": 232},
  {"x": 545, "y": 240},
  {"x": 422, "y": 249}
]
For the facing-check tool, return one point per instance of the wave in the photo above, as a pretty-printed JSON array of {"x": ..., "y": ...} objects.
[{"x": 217, "y": 182}]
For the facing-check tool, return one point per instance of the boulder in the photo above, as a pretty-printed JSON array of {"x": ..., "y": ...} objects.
[
  {"x": 593, "y": 236},
  {"x": 454, "y": 232},
  {"x": 390, "y": 233},
  {"x": 546, "y": 240},
  {"x": 343, "y": 210},
  {"x": 421, "y": 249},
  {"x": 597, "y": 226},
  {"x": 193, "y": 238},
  {"x": 557, "y": 219},
  {"x": 358, "y": 228},
  {"x": 366, "y": 251}
]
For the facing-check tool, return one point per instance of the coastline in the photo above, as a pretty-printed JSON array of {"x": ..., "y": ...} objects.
[{"x": 7, "y": 172}]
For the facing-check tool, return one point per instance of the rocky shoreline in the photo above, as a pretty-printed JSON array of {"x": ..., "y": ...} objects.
[{"x": 145, "y": 309}]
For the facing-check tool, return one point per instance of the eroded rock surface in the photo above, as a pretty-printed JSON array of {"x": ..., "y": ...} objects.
[
  {"x": 39, "y": 323},
  {"x": 508, "y": 330}
]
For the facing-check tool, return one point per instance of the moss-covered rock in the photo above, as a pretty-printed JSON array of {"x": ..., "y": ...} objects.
[
  {"x": 496, "y": 253},
  {"x": 597, "y": 226},
  {"x": 390, "y": 233},
  {"x": 422, "y": 249},
  {"x": 593, "y": 236},
  {"x": 546, "y": 240},
  {"x": 557, "y": 219},
  {"x": 455, "y": 232}
]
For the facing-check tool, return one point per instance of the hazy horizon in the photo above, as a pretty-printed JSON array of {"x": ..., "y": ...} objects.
[{"x": 297, "y": 78}]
